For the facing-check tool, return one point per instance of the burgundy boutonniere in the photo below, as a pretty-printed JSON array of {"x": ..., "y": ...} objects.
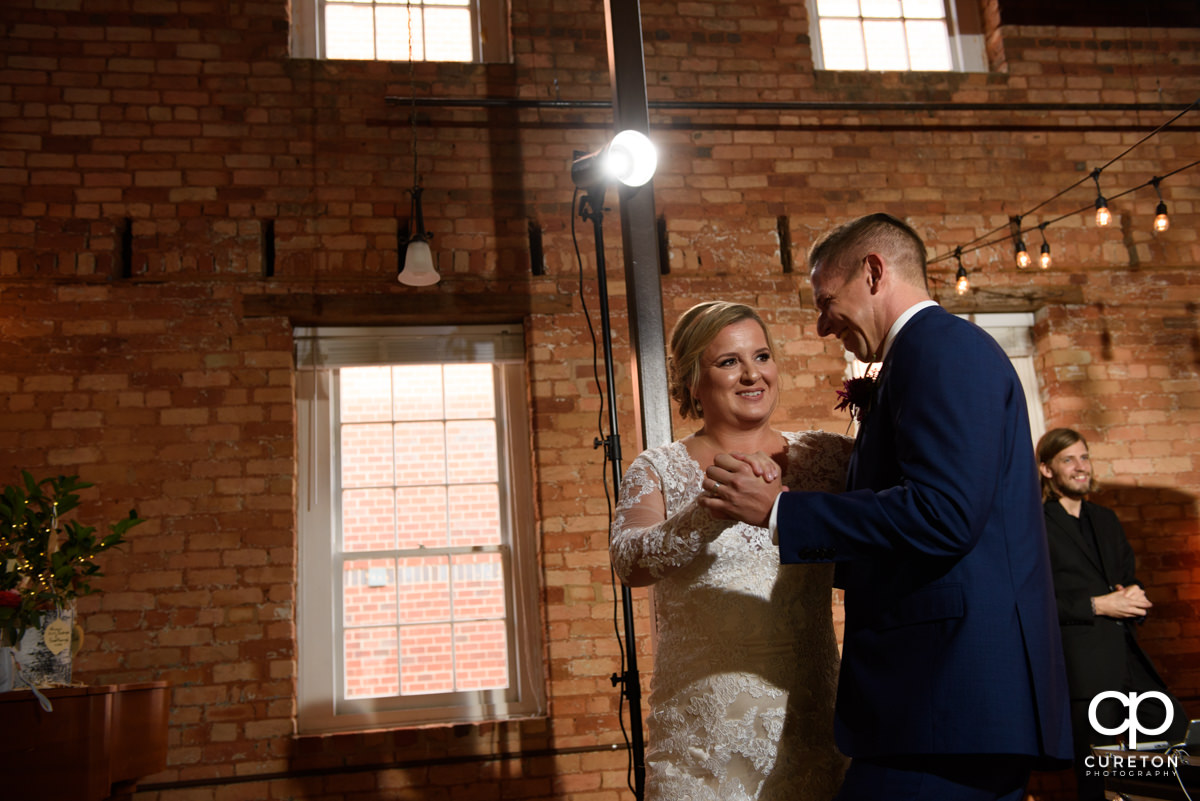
[{"x": 857, "y": 395}]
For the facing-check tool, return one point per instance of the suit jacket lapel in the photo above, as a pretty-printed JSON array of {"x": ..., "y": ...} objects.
[{"x": 909, "y": 331}]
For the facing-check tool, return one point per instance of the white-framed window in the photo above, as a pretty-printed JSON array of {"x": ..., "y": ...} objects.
[
  {"x": 401, "y": 30},
  {"x": 1014, "y": 332},
  {"x": 900, "y": 35},
  {"x": 417, "y": 598}
]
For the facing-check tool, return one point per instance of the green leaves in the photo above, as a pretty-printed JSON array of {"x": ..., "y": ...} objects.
[{"x": 46, "y": 561}]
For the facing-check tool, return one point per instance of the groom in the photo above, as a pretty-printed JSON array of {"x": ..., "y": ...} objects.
[{"x": 952, "y": 683}]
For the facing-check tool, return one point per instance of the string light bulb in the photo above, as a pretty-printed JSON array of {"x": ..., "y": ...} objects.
[
  {"x": 961, "y": 283},
  {"x": 1103, "y": 215},
  {"x": 1044, "y": 259},
  {"x": 1023, "y": 259},
  {"x": 1161, "y": 221}
]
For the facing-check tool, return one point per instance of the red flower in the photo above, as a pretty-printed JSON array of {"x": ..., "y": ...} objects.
[{"x": 857, "y": 395}]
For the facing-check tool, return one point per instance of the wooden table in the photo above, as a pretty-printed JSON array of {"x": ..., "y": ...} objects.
[{"x": 96, "y": 740}]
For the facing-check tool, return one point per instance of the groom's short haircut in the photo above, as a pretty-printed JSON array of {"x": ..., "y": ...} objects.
[{"x": 838, "y": 249}]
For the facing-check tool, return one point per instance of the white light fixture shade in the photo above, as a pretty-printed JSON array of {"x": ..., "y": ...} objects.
[
  {"x": 630, "y": 158},
  {"x": 418, "y": 265}
]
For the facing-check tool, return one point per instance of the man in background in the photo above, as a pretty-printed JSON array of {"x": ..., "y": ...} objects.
[{"x": 1100, "y": 602}]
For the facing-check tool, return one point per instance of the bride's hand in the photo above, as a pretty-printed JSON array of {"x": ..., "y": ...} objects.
[
  {"x": 763, "y": 465},
  {"x": 732, "y": 491}
]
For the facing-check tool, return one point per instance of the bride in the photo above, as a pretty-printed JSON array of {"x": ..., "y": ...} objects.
[{"x": 745, "y": 664}]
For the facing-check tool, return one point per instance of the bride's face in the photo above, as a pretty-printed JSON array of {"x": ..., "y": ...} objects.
[{"x": 739, "y": 382}]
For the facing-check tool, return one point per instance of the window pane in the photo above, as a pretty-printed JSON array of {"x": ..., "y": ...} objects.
[
  {"x": 366, "y": 457},
  {"x": 472, "y": 447},
  {"x": 418, "y": 392},
  {"x": 369, "y": 592},
  {"x": 449, "y": 34},
  {"x": 349, "y": 32},
  {"x": 366, "y": 394},
  {"x": 481, "y": 655},
  {"x": 470, "y": 391},
  {"x": 424, "y": 588},
  {"x": 842, "y": 45},
  {"x": 886, "y": 46},
  {"x": 368, "y": 519},
  {"x": 475, "y": 515},
  {"x": 372, "y": 662},
  {"x": 393, "y": 39},
  {"x": 428, "y": 660},
  {"x": 881, "y": 8},
  {"x": 928, "y": 45},
  {"x": 421, "y": 520},
  {"x": 478, "y": 586},
  {"x": 420, "y": 453},
  {"x": 837, "y": 8},
  {"x": 924, "y": 9}
]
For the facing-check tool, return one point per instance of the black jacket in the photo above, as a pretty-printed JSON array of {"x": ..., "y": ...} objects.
[{"x": 1097, "y": 649}]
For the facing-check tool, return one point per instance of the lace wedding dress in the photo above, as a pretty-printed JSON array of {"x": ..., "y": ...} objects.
[{"x": 745, "y": 663}]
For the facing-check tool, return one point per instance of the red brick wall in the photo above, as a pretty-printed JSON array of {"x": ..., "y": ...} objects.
[{"x": 184, "y": 128}]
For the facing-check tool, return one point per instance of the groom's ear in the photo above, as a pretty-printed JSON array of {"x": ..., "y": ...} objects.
[{"x": 875, "y": 271}]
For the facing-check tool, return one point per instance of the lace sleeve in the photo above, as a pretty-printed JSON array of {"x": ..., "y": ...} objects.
[{"x": 646, "y": 545}]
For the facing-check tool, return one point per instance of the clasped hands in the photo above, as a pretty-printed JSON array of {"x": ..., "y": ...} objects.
[
  {"x": 742, "y": 486},
  {"x": 1123, "y": 602}
]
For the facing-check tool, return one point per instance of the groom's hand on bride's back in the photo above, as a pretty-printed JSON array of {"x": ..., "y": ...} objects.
[{"x": 740, "y": 486}]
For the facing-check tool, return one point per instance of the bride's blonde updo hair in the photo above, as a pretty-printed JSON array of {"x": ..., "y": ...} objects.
[{"x": 694, "y": 331}]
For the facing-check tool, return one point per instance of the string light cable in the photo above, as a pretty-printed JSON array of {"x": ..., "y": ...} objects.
[
  {"x": 990, "y": 238},
  {"x": 976, "y": 244}
]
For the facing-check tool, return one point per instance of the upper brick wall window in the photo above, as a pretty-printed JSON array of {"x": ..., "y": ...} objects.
[
  {"x": 401, "y": 30},
  {"x": 899, "y": 35},
  {"x": 418, "y": 590}
]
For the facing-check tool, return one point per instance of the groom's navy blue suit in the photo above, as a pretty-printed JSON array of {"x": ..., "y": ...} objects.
[{"x": 951, "y": 641}]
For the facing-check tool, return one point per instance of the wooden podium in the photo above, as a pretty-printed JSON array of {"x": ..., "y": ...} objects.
[{"x": 95, "y": 743}]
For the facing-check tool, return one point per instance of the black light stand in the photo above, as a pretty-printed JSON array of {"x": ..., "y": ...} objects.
[{"x": 591, "y": 209}]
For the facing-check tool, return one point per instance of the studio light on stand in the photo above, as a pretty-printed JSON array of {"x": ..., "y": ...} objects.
[
  {"x": 416, "y": 267},
  {"x": 630, "y": 159}
]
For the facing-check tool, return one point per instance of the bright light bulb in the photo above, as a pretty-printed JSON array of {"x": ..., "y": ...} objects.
[
  {"x": 962, "y": 283},
  {"x": 1161, "y": 221},
  {"x": 1103, "y": 217},
  {"x": 1044, "y": 259},
  {"x": 632, "y": 158},
  {"x": 1023, "y": 259}
]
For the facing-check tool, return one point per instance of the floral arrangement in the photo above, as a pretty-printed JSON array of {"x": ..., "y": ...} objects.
[
  {"x": 45, "y": 561},
  {"x": 857, "y": 395}
]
